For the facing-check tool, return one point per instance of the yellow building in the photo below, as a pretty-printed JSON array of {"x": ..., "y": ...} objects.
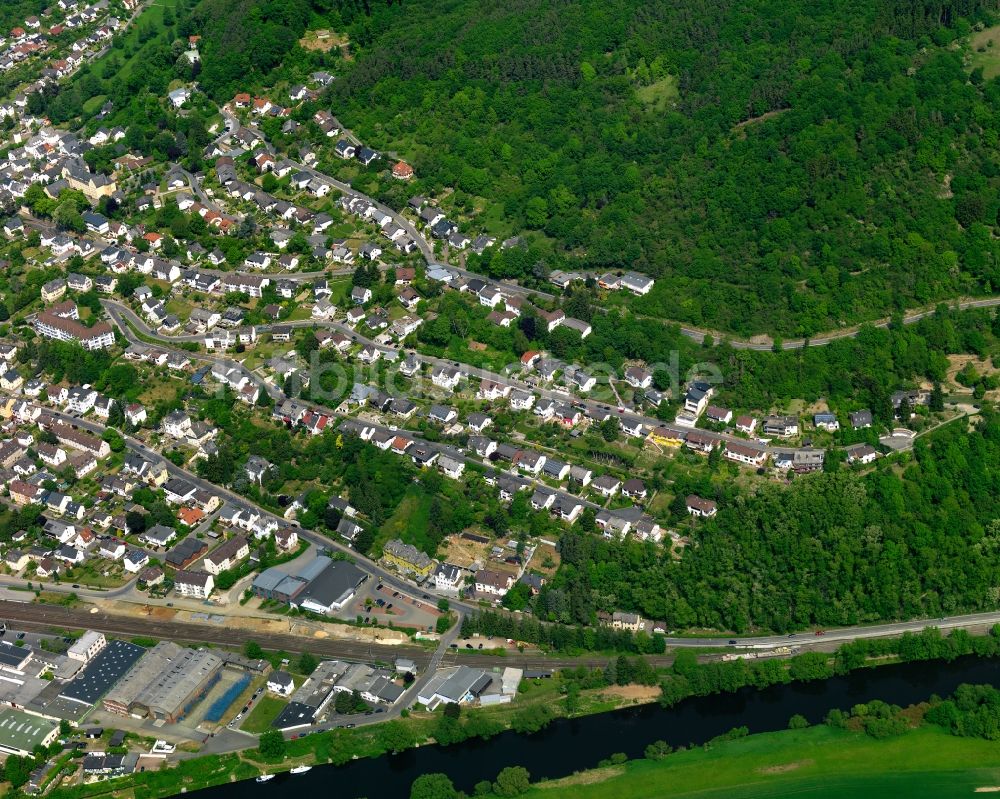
[
  {"x": 667, "y": 436},
  {"x": 407, "y": 558},
  {"x": 158, "y": 475},
  {"x": 93, "y": 185},
  {"x": 7, "y": 407}
]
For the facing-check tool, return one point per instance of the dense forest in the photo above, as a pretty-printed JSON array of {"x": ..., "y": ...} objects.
[
  {"x": 245, "y": 40},
  {"x": 780, "y": 166},
  {"x": 850, "y": 373},
  {"x": 837, "y": 548}
]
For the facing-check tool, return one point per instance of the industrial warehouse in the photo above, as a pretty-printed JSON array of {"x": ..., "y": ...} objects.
[
  {"x": 21, "y": 732},
  {"x": 163, "y": 684},
  {"x": 321, "y": 586},
  {"x": 166, "y": 682}
]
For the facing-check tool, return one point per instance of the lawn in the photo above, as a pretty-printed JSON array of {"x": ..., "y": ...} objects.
[
  {"x": 340, "y": 288},
  {"x": 985, "y": 50},
  {"x": 178, "y": 307},
  {"x": 93, "y": 105},
  {"x": 410, "y": 520},
  {"x": 156, "y": 389},
  {"x": 660, "y": 95},
  {"x": 151, "y": 18},
  {"x": 265, "y": 711},
  {"x": 91, "y": 575},
  {"x": 818, "y": 762}
]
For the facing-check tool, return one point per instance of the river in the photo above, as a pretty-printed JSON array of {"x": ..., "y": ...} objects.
[{"x": 569, "y": 745}]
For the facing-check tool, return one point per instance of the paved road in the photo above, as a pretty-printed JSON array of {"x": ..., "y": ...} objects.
[
  {"x": 759, "y": 343},
  {"x": 389, "y": 578},
  {"x": 8, "y": 581},
  {"x": 195, "y": 187},
  {"x": 385, "y": 576},
  {"x": 120, "y": 314},
  {"x": 559, "y": 396},
  {"x": 44, "y": 225},
  {"x": 33, "y": 616},
  {"x": 441, "y": 654},
  {"x": 765, "y": 343}
]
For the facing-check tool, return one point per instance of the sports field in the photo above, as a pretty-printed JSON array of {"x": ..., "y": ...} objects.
[{"x": 817, "y": 762}]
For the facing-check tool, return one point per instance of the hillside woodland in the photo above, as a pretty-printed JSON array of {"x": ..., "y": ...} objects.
[{"x": 793, "y": 181}]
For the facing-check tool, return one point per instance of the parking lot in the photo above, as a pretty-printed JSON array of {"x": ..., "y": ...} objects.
[
  {"x": 34, "y": 640},
  {"x": 196, "y": 717},
  {"x": 384, "y": 605},
  {"x": 243, "y": 704}
]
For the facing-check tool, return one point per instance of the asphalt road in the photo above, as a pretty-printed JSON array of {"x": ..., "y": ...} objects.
[
  {"x": 759, "y": 343},
  {"x": 388, "y": 578},
  {"x": 830, "y": 637},
  {"x": 120, "y": 313},
  {"x": 44, "y": 225}
]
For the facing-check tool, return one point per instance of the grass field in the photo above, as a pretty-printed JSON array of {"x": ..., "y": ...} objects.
[
  {"x": 817, "y": 762},
  {"x": 659, "y": 95},
  {"x": 93, "y": 105},
  {"x": 985, "y": 48},
  {"x": 265, "y": 711},
  {"x": 152, "y": 18},
  {"x": 410, "y": 520}
]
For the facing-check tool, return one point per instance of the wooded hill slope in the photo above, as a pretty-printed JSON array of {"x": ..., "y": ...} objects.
[{"x": 779, "y": 166}]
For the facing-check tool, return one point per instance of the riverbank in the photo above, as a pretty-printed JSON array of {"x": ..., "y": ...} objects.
[
  {"x": 540, "y": 702},
  {"x": 815, "y": 762},
  {"x": 380, "y": 761}
]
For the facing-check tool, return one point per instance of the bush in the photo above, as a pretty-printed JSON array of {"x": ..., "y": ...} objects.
[
  {"x": 512, "y": 781},
  {"x": 443, "y": 624},
  {"x": 798, "y": 722},
  {"x": 531, "y": 719},
  {"x": 433, "y": 786},
  {"x": 272, "y": 745},
  {"x": 658, "y": 750}
]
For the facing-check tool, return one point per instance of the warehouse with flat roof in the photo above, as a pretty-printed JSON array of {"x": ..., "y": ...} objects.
[
  {"x": 102, "y": 672},
  {"x": 21, "y": 732},
  {"x": 332, "y": 588},
  {"x": 166, "y": 683},
  {"x": 322, "y": 585}
]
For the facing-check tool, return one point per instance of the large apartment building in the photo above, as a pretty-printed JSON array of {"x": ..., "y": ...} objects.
[{"x": 98, "y": 337}]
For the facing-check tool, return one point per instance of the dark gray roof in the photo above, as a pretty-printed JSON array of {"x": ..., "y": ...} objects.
[
  {"x": 336, "y": 579},
  {"x": 184, "y": 551},
  {"x": 106, "y": 669},
  {"x": 295, "y": 714}
]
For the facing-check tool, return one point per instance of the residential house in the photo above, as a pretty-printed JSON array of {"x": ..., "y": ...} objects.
[
  {"x": 701, "y": 508},
  {"x": 781, "y": 426},
  {"x": 493, "y": 583},
  {"x": 826, "y": 421},
  {"x": 860, "y": 419}
]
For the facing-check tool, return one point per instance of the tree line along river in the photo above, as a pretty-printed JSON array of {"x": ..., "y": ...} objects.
[{"x": 569, "y": 745}]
